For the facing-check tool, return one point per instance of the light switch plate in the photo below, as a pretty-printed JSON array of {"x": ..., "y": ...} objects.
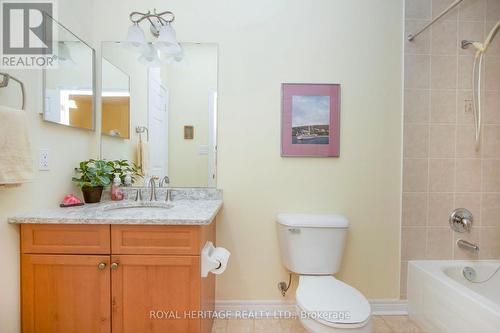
[
  {"x": 203, "y": 149},
  {"x": 43, "y": 160}
]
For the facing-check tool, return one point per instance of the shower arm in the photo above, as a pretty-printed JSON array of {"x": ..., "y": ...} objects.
[{"x": 411, "y": 37}]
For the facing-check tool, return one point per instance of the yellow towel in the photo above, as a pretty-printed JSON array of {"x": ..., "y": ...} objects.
[
  {"x": 16, "y": 159},
  {"x": 142, "y": 157}
]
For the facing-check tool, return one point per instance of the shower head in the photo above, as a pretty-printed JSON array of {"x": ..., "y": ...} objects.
[
  {"x": 466, "y": 44},
  {"x": 482, "y": 47},
  {"x": 478, "y": 45}
]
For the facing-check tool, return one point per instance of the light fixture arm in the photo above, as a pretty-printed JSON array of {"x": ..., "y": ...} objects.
[{"x": 138, "y": 17}]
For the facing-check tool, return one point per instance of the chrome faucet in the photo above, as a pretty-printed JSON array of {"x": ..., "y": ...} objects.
[
  {"x": 461, "y": 220},
  {"x": 468, "y": 246},
  {"x": 166, "y": 181},
  {"x": 152, "y": 184},
  {"x": 138, "y": 194}
]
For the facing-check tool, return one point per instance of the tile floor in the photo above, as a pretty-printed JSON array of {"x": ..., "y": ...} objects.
[{"x": 381, "y": 324}]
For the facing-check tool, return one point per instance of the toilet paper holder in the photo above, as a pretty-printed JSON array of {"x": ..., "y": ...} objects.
[{"x": 210, "y": 263}]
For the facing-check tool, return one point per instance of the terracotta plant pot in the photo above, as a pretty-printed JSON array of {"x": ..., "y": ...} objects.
[{"x": 92, "y": 194}]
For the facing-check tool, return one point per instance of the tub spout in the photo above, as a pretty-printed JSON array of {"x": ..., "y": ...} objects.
[{"x": 468, "y": 246}]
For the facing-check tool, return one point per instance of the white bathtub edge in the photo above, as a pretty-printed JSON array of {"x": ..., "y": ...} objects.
[
  {"x": 380, "y": 307},
  {"x": 439, "y": 303}
]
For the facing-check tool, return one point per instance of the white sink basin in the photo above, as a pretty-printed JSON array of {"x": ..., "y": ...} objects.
[{"x": 137, "y": 207}]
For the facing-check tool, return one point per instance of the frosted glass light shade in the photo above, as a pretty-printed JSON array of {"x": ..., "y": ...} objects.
[
  {"x": 72, "y": 104},
  {"x": 150, "y": 57},
  {"x": 167, "y": 40},
  {"x": 135, "y": 38},
  {"x": 64, "y": 56}
]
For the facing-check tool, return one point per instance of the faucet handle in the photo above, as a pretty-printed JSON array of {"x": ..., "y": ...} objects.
[
  {"x": 461, "y": 220},
  {"x": 164, "y": 180}
]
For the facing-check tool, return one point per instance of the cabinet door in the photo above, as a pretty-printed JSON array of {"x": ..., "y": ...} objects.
[
  {"x": 65, "y": 293},
  {"x": 153, "y": 294}
]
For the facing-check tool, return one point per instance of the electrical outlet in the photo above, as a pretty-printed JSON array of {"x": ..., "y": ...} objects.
[
  {"x": 468, "y": 105},
  {"x": 43, "y": 160}
]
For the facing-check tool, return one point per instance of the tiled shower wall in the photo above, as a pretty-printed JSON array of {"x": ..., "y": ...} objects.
[{"x": 441, "y": 168}]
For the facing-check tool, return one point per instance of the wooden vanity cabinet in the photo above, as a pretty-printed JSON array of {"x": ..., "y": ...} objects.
[
  {"x": 114, "y": 278},
  {"x": 65, "y": 293}
]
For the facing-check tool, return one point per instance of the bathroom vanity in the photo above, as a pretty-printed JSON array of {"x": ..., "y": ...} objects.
[
  {"x": 135, "y": 265},
  {"x": 118, "y": 267}
]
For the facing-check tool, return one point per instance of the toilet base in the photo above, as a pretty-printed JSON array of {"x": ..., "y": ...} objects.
[{"x": 312, "y": 326}]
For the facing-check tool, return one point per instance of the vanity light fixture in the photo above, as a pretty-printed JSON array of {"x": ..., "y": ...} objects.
[
  {"x": 136, "y": 39},
  {"x": 160, "y": 27},
  {"x": 150, "y": 56},
  {"x": 72, "y": 104},
  {"x": 167, "y": 40},
  {"x": 64, "y": 56}
]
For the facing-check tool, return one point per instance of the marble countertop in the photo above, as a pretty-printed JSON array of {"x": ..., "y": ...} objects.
[{"x": 183, "y": 212}]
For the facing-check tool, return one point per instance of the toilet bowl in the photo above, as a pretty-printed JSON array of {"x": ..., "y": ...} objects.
[
  {"x": 312, "y": 245},
  {"x": 325, "y": 304}
]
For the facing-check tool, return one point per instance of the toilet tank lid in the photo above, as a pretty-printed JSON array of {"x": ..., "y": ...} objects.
[{"x": 313, "y": 220}]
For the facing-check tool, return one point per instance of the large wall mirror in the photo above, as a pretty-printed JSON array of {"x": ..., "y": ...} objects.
[
  {"x": 115, "y": 101},
  {"x": 161, "y": 113},
  {"x": 69, "y": 88}
]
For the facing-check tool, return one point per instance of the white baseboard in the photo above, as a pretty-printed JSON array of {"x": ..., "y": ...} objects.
[
  {"x": 389, "y": 307},
  {"x": 380, "y": 307}
]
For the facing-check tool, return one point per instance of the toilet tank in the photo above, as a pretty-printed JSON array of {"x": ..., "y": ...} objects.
[{"x": 312, "y": 244}]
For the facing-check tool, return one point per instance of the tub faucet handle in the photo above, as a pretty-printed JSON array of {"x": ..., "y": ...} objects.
[{"x": 461, "y": 220}]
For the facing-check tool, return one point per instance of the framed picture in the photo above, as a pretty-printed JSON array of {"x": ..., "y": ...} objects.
[{"x": 310, "y": 120}]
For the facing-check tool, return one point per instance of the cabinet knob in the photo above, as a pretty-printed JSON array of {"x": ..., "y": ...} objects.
[
  {"x": 114, "y": 265},
  {"x": 101, "y": 266}
]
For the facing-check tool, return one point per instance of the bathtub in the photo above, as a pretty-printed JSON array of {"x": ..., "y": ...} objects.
[{"x": 441, "y": 300}]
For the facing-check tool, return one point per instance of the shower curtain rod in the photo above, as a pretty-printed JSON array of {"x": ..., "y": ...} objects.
[{"x": 411, "y": 37}]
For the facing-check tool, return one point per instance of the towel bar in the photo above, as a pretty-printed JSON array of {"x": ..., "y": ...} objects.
[
  {"x": 141, "y": 129},
  {"x": 5, "y": 82}
]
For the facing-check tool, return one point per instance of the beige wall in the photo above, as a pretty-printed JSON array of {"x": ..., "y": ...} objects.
[
  {"x": 262, "y": 44},
  {"x": 67, "y": 147},
  {"x": 442, "y": 170}
]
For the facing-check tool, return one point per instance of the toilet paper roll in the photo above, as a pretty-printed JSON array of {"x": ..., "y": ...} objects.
[
  {"x": 221, "y": 256},
  {"x": 213, "y": 259}
]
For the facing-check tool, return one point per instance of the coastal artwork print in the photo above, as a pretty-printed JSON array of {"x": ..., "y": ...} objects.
[{"x": 310, "y": 120}]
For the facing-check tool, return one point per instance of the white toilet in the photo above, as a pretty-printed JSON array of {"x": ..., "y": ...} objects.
[{"x": 312, "y": 245}]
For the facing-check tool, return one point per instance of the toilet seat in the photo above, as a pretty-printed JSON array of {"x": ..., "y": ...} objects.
[{"x": 332, "y": 302}]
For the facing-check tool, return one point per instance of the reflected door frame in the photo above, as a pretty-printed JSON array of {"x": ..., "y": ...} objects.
[
  {"x": 158, "y": 96},
  {"x": 212, "y": 140}
]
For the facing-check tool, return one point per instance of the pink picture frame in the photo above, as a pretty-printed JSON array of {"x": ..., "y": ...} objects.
[{"x": 310, "y": 120}]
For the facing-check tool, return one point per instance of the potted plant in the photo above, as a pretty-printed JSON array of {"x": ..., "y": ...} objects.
[
  {"x": 124, "y": 168},
  {"x": 93, "y": 176}
]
